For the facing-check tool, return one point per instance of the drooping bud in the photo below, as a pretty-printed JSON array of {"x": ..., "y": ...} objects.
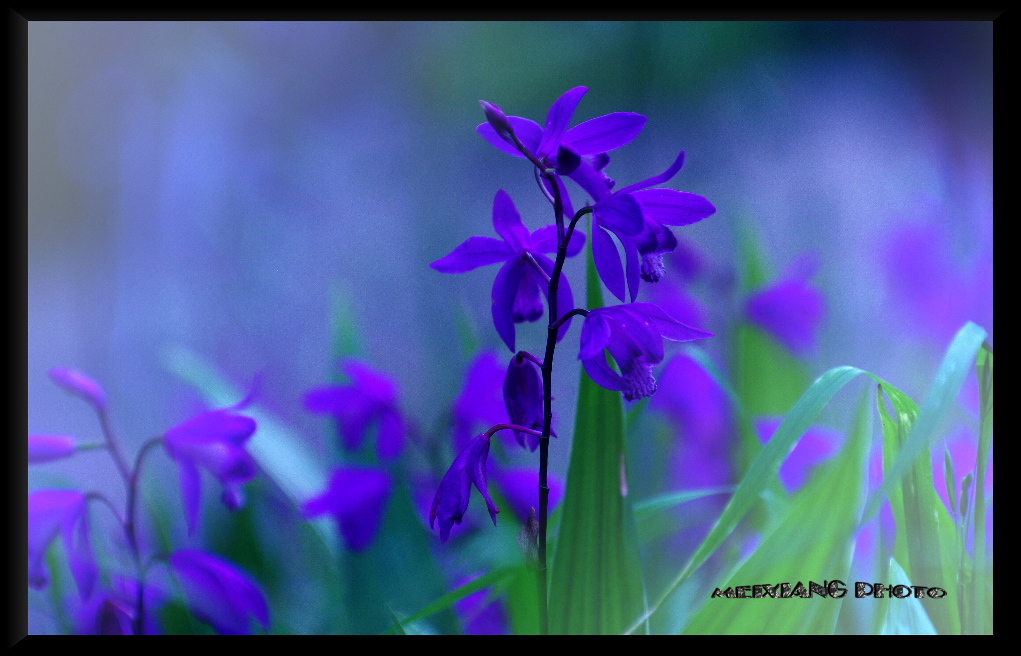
[
  {"x": 47, "y": 448},
  {"x": 81, "y": 385},
  {"x": 522, "y": 392},
  {"x": 498, "y": 120}
]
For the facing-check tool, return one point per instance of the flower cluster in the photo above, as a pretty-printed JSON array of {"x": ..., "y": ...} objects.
[{"x": 635, "y": 219}]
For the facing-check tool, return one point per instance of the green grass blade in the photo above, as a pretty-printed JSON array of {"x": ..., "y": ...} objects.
[
  {"x": 596, "y": 581},
  {"x": 979, "y": 619},
  {"x": 905, "y": 616},
  {"x": 813, "y": 541}
]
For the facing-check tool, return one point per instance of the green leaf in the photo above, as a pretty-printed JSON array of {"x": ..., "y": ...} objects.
[
  {"x": 814, "y": 540},
  {"x": 597, "y": 585},
  {"x": 905, "y": 616},
  {"x": 979, "y": 619},
  {"x": 447, "y": 601}
]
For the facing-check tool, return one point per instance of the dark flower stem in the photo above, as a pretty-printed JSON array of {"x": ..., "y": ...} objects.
[
  {"x": 130, "y": 527},
  {"x": 564, "y": 237}
]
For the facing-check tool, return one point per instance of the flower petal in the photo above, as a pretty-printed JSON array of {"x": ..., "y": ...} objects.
[
  {"x": 634, "y": 267},
  {"x": 529, "y": 133},
  {"x": 595, "y": 335},
  {"x": 598, "y": 135},
  {"x": 600, "y": 372},
  {"x": 671, "y": 207},
  {"x": 565, "y": 299},
  {"x": 544, "y": 240},
  {"x": 473, "y": 253},
  {"x": 558, "y": 119},
  {"x": 213, "y": 426},
  {"x": 792, "y": 311},
  {"x": 507, "y": 222},
  {"x": 390, "y": 441},
  {"x": 505, "y": 290},
  {"x": 81, "y": 385},
  {"x": 621, "y": 213},
  {"x": 667, "y": 326},
  {"x": 191, "y": 493},
  {"x": 607, "y": 260},
  {"x": 219, "y": 592},
  {"x": 657, "y": 179},
  {"x": 478, "y": 452},
  {"x": 47, "y": 448}
]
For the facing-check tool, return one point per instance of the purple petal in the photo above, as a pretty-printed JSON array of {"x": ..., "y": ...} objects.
[
  {"x": 529, "y": 133},
  {"x": 191, "y": 493},
  {"x": 497, "y": 119},
  {"x": 595, "y": 335},
  {"x": 621, "y": 214},
  {"x": 480, "y": 404},
  {"x": 558, "y": 119},
  {"x": 544, "y": 240},
  {"x": 352, "y": 410},
  {"x": 357, "y": 499},
  {"x": 634, "y": 268},
  {"x": 657, "y": 179},
  {"x": 81, "y": 385},
  {"x": 604, "y": 133},
  {"x": 592, "y": 180},
  {"x": 390, "y": 441},
  {"x": 452, "y": 497},
  {"x": 600, "y": 372},
  {"x": 472, "y": 254},
  {"x": 80, "y": 558},
  {"x": 667, "y": 326},
  {"x": 214, "y": 426},
  {"x": 633, "y": 338},
  {"x": 696, "y": 403},
  {"x": 815, "y": 446},
  {"x": 507, "y": 222},
  {"x": 607, "y": 260},
  {"x": 522, "y": 395},
  {"x": 671, "y": 207},
  {"x": 505, "y": 291},
  {"x": 219, "y": 592},
  {"x": 520, "y": 487},
  {"x": 48, "y": 512},
  {"x": 528, "y": 302},
  {"x": 47, "y": 448},
  {"x": 481, "y": 614},
  {"x": 791, "y": 311},
  {"x": 475, "y": 464}
]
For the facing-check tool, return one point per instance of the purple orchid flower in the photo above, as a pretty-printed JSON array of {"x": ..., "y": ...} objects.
[
  {"x": 634, "y": 335},
  {"x": 522, "y": 394},
  {"x": 555, "y": 145},
  {"x": 790, "y": 310},
  {"x": 80, "y": 385},
  {"x": 480, "y": 613},
  {"x": 214, "y": 441},
  {"x": 813, "y": 448},
  {"x": 357, "y": 499},
  {"x": 47, "y": 448},
  {"x": 638, "y": 216},
  {"x": 517, "y": 285},
  {"x": 454, "y": 493},
  {"x": 480, "y": 403},
  {"x": 112, "y": 611},
  {"x": 64, "y": 512},
  {"x": 219, "y": 592},
  {"x": 370, "y": 397}
]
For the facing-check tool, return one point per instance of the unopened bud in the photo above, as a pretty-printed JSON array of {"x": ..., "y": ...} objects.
[{"x": 498, "y": 120}]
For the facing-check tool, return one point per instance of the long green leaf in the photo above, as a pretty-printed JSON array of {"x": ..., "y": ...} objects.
[{"x": 596, "y": 582}]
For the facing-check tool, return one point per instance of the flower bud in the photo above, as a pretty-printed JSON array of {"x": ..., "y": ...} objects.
[{"x": 498, "y": 120}]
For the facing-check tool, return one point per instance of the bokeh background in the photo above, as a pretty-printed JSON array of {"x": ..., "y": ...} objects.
[{"x": 231, "y": 188}]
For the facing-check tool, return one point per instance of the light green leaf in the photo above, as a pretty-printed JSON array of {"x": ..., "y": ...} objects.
[{"x": 905, "y": 616}]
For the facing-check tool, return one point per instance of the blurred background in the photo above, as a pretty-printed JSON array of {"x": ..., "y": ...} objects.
[{"x": 231, "y": 188}]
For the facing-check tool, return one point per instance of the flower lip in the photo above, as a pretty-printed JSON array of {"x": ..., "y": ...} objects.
[{"x": 454, "y": 493}]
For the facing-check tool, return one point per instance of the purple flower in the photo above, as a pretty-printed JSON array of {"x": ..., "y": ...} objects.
[
  {"x": 480, "y": 404},
  {"x": 522, "y": 393},
  {"x": 637, "y": 215},
  {"x": 47, "y": 448},
  {"x": 357, "y": 500},
  {"x": 481, "y": 614},
  {"x": 556, "y": 145},
  {"x": 454, "y": 493},
  {"x": 371, "y": 397},
  {"x": 518, "y": 285},
  {"x": 219, "y": 592},
  {"x": 112, "y": 611},
  {"x": 81, "y": 385},
  {"x": 815, "y": 446},
  {"x": 64, "y": 512},
  {"x": 520, "y": 487},
  {"x": 214, "y": 441},
  {"x": 790, "y": 310},
  {"x": 634, "y": 335}
]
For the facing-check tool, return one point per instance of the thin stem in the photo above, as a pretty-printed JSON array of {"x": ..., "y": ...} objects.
[
  {"x": 535, "y": 265},
  {"x": 130, "y": 528},
  {"x": 115, "y": 451},
  {"x": 575, "y": 312},
  {"x": 499, "y": 427},
  {"x": 525, "y": 355}
]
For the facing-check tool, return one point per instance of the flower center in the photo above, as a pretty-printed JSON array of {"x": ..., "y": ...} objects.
[
  {"x": 652, "y": 267},
  {"x": 639, "y": 381}
]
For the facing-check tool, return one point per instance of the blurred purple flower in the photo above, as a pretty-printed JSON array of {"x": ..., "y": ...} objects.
[
  {"x": 370, "y": 397},
  {"x": 815, "y": 446},
  {"x": 517, "y": 285},
  {"x": 556, "y": 145},
  {"x": 520, "y": 487},
  {"x": 112, "y": 611},
  {"x": 454, "y": 493},
  {"x": 64, "y": 512},
  {"x": 47, "y": 448},
  {"x": 792, "y": 309},
  {"x": 522, "y": 394},
  {"x": 638, "y": 216},
  {"x": 937, "y": 296},
  {"x": 634, "y": 335},
  {"x": 219, "y": 592},
  {"x": 478, "y": 616},
  {"x": 214, "y": 441},
  {"x": 81, "y": 385},
  {"x": 357, "y": 499},
  {"x": 480, "y": 404},
  {"x": 700, "y": 409}
]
